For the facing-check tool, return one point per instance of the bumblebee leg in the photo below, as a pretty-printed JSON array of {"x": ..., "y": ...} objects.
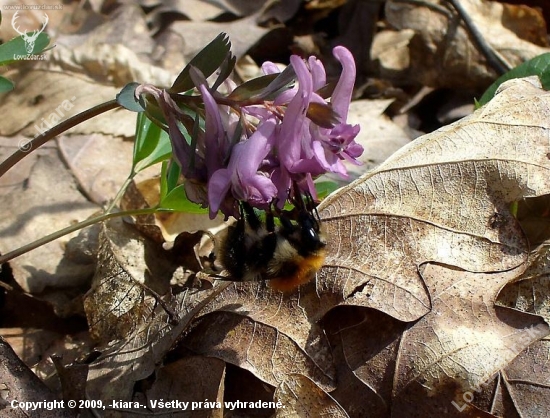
[
  {"x": 269, "y": 220},
  {"x": 251, "y": 217},
  {"x": 233, "y": 248}
]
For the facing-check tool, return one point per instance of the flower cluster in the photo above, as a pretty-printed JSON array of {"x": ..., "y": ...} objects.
[{"x": 257, "y": 150}]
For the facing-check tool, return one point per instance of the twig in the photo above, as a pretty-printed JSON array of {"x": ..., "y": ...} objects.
[{"x": 493, "y": 58}]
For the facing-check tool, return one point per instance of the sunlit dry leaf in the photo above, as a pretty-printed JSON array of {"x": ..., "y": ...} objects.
[
  {"x": 100, "y": 163},
  {"x": 441, "y": 52},
  {"x": 303, "y": 398},
  {"x": 243, "y": 33},
  {"x": 434, "y": 200},
  {"x": 462, "y": 342},
  {"x": 293, "y": 316},
  {"x": 116, "y": 51},
  {"x": 379, "y": 136},
  {"x": 193, "y": 9},
  {"x": 200, "y": 10}
]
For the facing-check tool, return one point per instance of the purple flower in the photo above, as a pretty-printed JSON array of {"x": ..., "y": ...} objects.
[
  {"x": 255, "y": 150},
  {"x": 241, "y": 175}
]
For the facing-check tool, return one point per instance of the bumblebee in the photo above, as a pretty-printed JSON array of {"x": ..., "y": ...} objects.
[{"x": 285, "y": 256}]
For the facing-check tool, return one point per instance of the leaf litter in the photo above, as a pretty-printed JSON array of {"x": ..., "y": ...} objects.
[{"x": 432, "y": 298}]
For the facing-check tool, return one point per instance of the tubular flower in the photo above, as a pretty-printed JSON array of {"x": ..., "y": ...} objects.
[{"x": 256, "y": 148}]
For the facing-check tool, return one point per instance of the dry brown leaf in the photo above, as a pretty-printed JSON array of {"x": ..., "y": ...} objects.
[
  {"x": 435, "y": 51},
  {"x": 44, "y": 98},
  {"x": 100, "y": 163},
  {"x": 243, "y": 33},
  {"x": 366, "y": 344},
  {"x": 200, "y": 10},
  {"x": 47, "y": 202},
  {"x": 462, "y": 343},
  {"x": 436, "y": 200},
  {"x": 19, "y": 384},
  {"x": 532, "y": 291},
  {"x": 114, "y": 51},
  {"x": 527, "y": 382},
  {"x": 261, "y": 349},
  {"x": 136, "y": 356},
  {"x": 128, "y": 268},
  {"x": 137, "y": 328},
  {"x": 379, "y": 136},
  {"x": 301, "y": 397},
  {"x": 189, "y": 380}
]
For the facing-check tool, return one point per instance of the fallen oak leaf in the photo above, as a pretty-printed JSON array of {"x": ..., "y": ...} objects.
[
  {"x": 531, "y": 292},
  {"x": 435, "y": 200},
  {"x": 462, "y": 343},
  {"x": 261, "y": 349}
]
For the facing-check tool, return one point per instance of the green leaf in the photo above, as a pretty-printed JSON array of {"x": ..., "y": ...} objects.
[
  {"x": 324, "y": 188},
  {"x": 225, "y": 70},
  {"x": 172, "y": 195},
  {"x": 252, "y": 87},
  {"x": 6, "y": 85},
  {"x": 152, "y": 144},
  {"x": 265, "y": 87},
  {"x": 176, "y": 200},
  {"x": 127, "y": 99},
  {"x": 207, "y": 60},
  {"x": 14, "y": 50},
  {"x": 172, "y": 175},
  {"x": 536, "y": 66}
]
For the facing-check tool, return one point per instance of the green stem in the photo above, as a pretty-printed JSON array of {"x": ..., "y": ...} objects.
[
  {"x": 58, "y": 234},
  {"x": 120, "y": 192},
  {"x": 40, "y": 140}
]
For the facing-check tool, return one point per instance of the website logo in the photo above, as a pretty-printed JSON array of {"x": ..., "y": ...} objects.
[{"x": 29, "y": 37}]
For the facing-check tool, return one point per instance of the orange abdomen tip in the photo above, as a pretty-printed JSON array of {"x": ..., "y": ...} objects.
[{"x": 306, "y": 271}]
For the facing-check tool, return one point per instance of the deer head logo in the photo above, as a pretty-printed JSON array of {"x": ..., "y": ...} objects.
[{"x": 29, "y": 37}]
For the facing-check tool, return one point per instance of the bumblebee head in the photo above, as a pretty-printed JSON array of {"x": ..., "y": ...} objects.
[
  {"x": 310, "y": 231},
  {"x": 305, "y": 235}
]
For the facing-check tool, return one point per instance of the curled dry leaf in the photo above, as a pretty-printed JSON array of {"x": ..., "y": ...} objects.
[
  {"x": 436, "y": 200},
  {"x": 137, "y": 328}
]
